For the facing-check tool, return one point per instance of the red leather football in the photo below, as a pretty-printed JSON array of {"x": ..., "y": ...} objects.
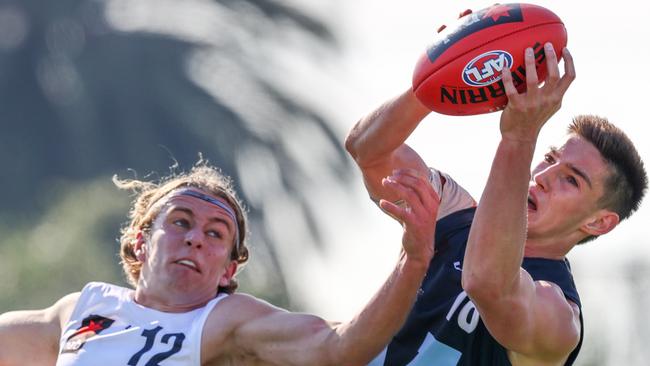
[{"x": 460, "y": 74}]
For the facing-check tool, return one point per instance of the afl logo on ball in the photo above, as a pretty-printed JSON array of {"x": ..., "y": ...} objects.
[{"x": 485, "y": 69}]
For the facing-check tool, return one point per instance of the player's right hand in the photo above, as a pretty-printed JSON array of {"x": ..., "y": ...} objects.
[
  {"x": 526, "y": 113},
  {"x": 418, "y": 213}
]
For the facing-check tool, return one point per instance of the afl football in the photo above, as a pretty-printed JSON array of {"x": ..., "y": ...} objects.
[{"x": 460, "y": 73}]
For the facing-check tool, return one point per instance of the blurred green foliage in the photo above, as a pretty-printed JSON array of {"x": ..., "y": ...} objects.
[
  {"x": 91, "y": 88},
  {"x": 71, "y": 243}
]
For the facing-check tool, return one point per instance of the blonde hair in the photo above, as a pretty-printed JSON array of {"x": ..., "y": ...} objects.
[{"x": 144, "y": 211}]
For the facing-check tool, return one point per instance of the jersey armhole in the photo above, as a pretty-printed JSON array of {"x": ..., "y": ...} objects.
[{"x": 453, "y": 197}]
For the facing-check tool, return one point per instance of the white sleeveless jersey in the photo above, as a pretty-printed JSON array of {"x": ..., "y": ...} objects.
[{"x": 108, "y": 328}]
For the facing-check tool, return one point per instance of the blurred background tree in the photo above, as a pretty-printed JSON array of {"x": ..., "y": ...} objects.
[
  {"x": 139, "y": 88},
  {"x": 92, "y": 88}
]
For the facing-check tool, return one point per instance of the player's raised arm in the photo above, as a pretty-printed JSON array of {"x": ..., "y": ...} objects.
[
  {"x": 526, "y": 317},
  {"x": 32, "y": 337},
  {"x": 377, "y": 145},
  {"x": 281, "y": 338}
]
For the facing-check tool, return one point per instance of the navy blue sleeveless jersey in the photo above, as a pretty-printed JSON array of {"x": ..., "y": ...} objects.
[{"x": 444, "y": 328}]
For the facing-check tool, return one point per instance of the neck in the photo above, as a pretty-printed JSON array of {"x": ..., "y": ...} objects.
[
  {"x": 168, "y": 300},
  {"x": 550, "y": 249}
]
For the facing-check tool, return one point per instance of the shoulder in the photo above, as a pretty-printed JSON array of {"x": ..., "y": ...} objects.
[
  {"x": 238, "y": 309},
  {"x": 453, "y": 197},
  {"x": 557, "y": 272},
  {"x": 565, "y": 312},
  {"x": 536, "y": 323},
  {"x": 559, "y": 323},
  {"x": 61, "y": 311},
  {"x": 229, "y": 319},
  {"x": 92, "y": 294},
  {"x": 32, "y": 336}
]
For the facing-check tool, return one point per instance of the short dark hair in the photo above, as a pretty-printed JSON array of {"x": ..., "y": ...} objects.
[{"x": 628, "y": 181}]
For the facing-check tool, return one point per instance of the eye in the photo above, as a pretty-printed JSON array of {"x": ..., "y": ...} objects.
[
  {"x": 214, "y": 234},
  {"x": 549, "y": 158},
  {"x": 181, "y": 223},
  {"x": 572, "y": 180}
]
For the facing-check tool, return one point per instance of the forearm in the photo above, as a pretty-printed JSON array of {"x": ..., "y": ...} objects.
[
  {"x": 361, "y": 339},
  {"x": 282, "y": 338},
  {"x": 496, "y": 241},
  {"x": 384, "y": 130}
]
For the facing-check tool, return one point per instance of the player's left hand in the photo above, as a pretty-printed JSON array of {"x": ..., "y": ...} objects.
[
  {"x": 526, "y": 113},
  {"x": 418, "y": 214}
]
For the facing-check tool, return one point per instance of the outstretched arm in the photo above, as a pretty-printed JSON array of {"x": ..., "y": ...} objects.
[
  {"x": 377, "y": 145},
  {"x": 32, "y": 337},
  {"x": 283, "y": 338},
  {"x": 530, "y": 318}
]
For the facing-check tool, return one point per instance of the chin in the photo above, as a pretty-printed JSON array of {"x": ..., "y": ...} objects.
[
  {"x": 531, "y": 224},
  {"x": 530, "y": 217}
]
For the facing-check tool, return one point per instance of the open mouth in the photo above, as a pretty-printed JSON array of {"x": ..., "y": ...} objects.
[
  {"x": 531, "y": 204},
  {"x": 189, "y": 264}
]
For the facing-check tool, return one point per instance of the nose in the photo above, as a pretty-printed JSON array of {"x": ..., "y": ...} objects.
[
  {"x": 544, "y": 177},
  {"x": 194, "y": 238},
  {"x": 540, "y": 180}
]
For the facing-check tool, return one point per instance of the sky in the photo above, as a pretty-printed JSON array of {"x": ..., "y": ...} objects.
[{"x": 381, "y": 41}]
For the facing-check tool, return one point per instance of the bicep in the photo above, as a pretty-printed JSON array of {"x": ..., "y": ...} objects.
[
  {"x": 286, "y": 338},
  {"x": 28, "y": 338},
  {"x": 32, "y": 337}
]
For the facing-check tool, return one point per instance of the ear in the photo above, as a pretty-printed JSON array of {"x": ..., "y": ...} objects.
[
  {"x": 140, "y": 247},
  {"x": 231, "y": 269},
  {"x": 601, "y": 223}
]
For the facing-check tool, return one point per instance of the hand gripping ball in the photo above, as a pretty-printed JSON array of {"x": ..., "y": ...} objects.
[{"x": 460, "y": 73}]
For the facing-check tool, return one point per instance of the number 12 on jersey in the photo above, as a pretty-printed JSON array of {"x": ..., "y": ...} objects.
[{"x": 150, "y": 341}]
